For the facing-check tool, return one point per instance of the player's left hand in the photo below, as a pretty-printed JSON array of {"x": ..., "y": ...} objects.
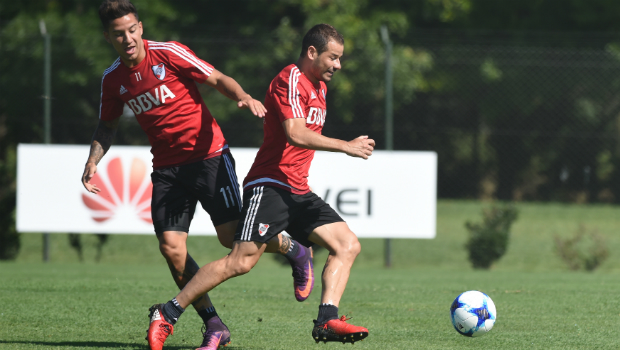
[
  {"x": 89, "y": 171},
  {"x": 360, "y": 147},
  {"x": 255, "y": 106}
]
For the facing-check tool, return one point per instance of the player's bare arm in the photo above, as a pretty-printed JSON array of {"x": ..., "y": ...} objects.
[
  {"x": 100, "y": 144},
  {"x": 229, "y": 87},
  {"x": 299, "y": 135}
]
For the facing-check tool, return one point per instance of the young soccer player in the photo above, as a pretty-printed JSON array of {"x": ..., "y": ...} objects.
[
  {"x": 277, "y": 196},
  {"x": 191, "y": 159}
]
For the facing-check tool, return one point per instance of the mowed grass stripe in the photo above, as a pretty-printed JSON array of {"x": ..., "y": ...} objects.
[{"x": 531, "y": 246}]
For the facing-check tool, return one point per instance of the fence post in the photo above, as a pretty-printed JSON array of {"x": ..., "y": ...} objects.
[
  {"x": 389, "y": 117},
  {"x": 47, "y": 111}
]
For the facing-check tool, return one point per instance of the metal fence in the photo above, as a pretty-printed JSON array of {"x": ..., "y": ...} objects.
[
  {"x": 521, "y": 123},
  {"x": 528, "y": 121}
]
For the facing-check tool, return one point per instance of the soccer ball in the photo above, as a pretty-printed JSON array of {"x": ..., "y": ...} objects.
[{"x": 473, "y": 313}]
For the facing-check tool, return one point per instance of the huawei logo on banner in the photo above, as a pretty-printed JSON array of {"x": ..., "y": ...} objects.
[{"x": 120, "y": 192}]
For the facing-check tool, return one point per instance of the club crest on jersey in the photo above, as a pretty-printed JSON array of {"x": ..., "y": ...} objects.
[
  {"x": 262, "y": 229},
  {"x": 159, "y": 71}
]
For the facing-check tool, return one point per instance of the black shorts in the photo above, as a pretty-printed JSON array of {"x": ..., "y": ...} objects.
[
  {"x": 177, "y": 190},
  {"x": 268, "y": 211}
]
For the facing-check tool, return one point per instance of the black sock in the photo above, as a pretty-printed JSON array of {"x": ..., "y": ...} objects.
[
  {"x": 207, "y": 314},
  {"x": 327, "y": 312},
  {"x": 172, "y": 311},
  {"x": 293, "y": 250}
]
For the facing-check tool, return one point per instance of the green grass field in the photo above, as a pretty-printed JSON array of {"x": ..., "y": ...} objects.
[{"x": 541, "y": 305}]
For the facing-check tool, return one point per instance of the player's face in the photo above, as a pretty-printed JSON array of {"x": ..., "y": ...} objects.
[
  {"x": 125, "y": 35},
  {"x": 328, "y": 62}
]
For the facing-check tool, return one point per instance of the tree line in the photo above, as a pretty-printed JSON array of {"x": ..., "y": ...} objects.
[{"x": 463, "y": 87}]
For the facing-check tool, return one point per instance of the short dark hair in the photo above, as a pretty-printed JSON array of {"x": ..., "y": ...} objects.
[
  {"x": 113, "y": 9},
  {"x": 318, "y": 36}
]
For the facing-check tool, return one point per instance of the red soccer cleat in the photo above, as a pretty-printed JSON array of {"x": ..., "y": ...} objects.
[
  {"x": 338, "y": 330},
  {"x": 159, "y": 328}
]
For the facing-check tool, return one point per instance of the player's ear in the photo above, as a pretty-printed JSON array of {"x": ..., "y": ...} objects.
[
  {"x": 106, "y": 35},
  {"x": 141, "y": 29},
  {"x": 312, "y": 52}
]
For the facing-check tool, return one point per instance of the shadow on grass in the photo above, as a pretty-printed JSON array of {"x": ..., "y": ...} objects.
[
  {"x": 84, "y": 344},
  {"x": 103, "y": 344}
]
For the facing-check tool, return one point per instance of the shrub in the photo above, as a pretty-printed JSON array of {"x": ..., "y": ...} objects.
[
  {"x": 75, "y": 241},
  {"x": 488, "y": 241},
  {"x": 9, "y": 238},
  {"x": 584, "y": 251},
  {"x": 102, "y": 238}
]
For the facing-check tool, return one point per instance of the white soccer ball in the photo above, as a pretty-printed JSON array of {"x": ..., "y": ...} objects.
[{"x": 473, "y": 313}]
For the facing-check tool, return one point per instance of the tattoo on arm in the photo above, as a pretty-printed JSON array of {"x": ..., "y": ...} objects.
[
  {"x": 286, "y": 244},
  {"x": 102, "y": 139}
]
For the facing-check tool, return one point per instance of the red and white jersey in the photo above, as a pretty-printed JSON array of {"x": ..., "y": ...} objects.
[
  {"x": 162, "y": 93},
  {"x": 291, "y": 95}
]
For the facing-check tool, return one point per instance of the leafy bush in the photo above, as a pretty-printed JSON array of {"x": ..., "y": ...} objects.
[
  {"x": 584, "y": 251},
  {"x": 75, "y": 241},
  {"x": 102, "y": 238},
  {"x": 9, "y": 238},
  {"x": 488, "y": 240}
]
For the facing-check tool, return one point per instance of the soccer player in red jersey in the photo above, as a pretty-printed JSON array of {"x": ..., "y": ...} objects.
[
  {"x": 276, "y": 192},
  {"x": 191, "y": 159}
]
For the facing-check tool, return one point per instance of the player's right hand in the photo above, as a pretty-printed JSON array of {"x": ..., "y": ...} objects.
[
  {"x": 361, "y": 147},
  {"x": 89, "y": 171}
]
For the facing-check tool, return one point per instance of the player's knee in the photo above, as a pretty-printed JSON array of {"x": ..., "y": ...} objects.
[
  {"x": 242, "y": 266},
  {"x": 350, "y": 248},
  {"x": 354, "y": 247},
  {"x": 171, "y": 252}
]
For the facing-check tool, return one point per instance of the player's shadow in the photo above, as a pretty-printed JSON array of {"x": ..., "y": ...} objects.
[{"x": 104, "y": 345}]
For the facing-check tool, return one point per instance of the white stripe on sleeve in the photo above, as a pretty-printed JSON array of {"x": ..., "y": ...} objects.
[
  {"x": 111, "y": 68},
  {"x": 184, "y": 54}
]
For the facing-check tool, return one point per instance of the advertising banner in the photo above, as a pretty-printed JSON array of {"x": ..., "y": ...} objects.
[{"x": 393, "y": 194}]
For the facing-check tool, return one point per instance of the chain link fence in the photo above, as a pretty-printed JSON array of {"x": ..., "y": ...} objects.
[
  {"x": 521, "y": 123},
  {"x": 526, "y": 121}
]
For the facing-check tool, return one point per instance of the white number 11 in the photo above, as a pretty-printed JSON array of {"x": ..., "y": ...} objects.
[{"x": 232, "y": 201}]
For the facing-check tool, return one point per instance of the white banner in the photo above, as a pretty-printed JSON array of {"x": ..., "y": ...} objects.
[{"x": 391, "y": 195}]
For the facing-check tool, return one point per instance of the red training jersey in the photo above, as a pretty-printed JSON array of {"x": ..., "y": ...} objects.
[
  {"x": 291, "y": 95},
  {"x": 162, "y": 93}
]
